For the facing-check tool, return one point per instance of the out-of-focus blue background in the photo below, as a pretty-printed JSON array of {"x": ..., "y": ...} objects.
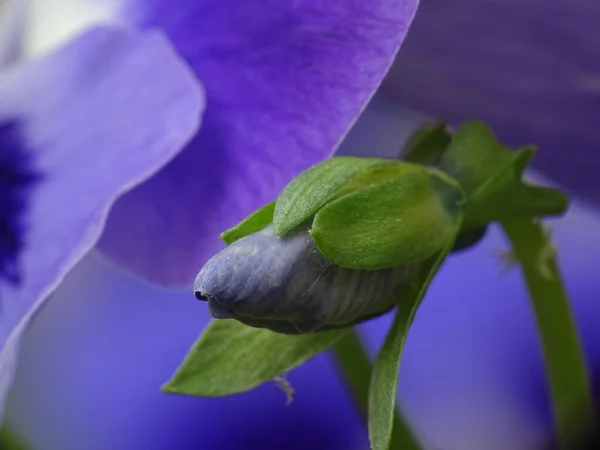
[{"x": 471, "y": 378}]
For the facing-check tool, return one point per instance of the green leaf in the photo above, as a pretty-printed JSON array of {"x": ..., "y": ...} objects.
[
  {"x": 479, "y": 163},
  {"x": 491, "y": 176},
  {"x": 384, "y": 379},
  {"x": 230, "y": 358},
  {"x": 354, "y": 363},
  {"x": 251, "y": 224},
  {"x": 397, "y": 222},
  {"x": 427, "y": 144},
  {"x": 518, "y": 200},
  {"x": 313, "y": 188}
]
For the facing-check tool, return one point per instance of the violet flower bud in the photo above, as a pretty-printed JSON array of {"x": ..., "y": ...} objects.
[{"x": 286, "y": 285}]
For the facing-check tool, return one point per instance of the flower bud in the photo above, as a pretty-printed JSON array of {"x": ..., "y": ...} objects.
[{"x": 286, "y": 285}]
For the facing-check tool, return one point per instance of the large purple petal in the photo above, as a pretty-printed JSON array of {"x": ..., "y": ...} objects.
[
  {"x": 87, "y": 122},
  {"x": 285, "y": 79},
  {"x": 530, "y": 68}
]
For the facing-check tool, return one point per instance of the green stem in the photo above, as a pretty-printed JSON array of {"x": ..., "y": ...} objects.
[
  {"x": 565, "y": 364},
  {"x": 354, "y": 363},
  {"x": 10, "y": 440}
]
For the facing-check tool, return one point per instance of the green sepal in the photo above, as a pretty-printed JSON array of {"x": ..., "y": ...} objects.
[
  {"x": 231, "y": 357},
  {"x": 468, "y": 238},
  {"x": 397, "y": 222},
  {"x": 251, "y": 224},
  {"x": 491, "y": 176},
  {"x": 518, "y": 200},
  {"x": 427, "y": 144},
  {"x": 313, "y": 188}
]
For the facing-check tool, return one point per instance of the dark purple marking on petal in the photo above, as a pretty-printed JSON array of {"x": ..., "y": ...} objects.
[
  {"x": 97, "y": 116},
  {"x": 285, "y": 80},
  {"x": 17, "y": 177}
]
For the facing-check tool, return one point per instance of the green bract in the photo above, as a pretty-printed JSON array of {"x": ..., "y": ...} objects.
[
  {"x": 230, "y": 358},
  {"x": 251, "y": 224},
  {"x": 312, "y": 189},
  {"x": 369, "y": 213},
  {"x": 491, "y": 176},
  {"x": 397, "y": 222},
  {"x": 384, "y": 380},
  {"x": 427, "y": 144}
]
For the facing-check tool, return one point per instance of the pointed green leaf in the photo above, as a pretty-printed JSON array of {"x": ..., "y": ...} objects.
[
  {"x": 397, "y": 222},
  {"x": 491, "y": 176},
  {"x": 251, "y": 224},
  {"x": 476, "y": 159},
  {"x": 509, "y": 170},
  {"x": 353, "y": 360},
  {"x": 519, "y": 200},
  {"x": 528, "y": 200},
  {"x": 230, "y": 358},
  {"x": 313, "y": 188},
  {"x": 427, "y": 144},
  {"x": 384, "y": 379}
]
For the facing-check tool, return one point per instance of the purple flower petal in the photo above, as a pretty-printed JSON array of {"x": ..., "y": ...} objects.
[
  {"x": 529, "y": 68},
  {"x": 285, "y": 79},
  {"x": 83, "y": 125}
]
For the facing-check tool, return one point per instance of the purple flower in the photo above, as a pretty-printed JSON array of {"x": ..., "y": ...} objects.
[
  {"x": 284, "y": 81},
  {"x": 78, "y": 127}
]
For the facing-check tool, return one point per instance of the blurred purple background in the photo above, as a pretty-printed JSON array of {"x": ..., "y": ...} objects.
[{"x": 472, "y": 377}]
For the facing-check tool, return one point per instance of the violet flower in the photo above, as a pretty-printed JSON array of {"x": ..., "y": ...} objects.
[
  {"x": 531, "y": 76},
  {"x": 74, "y": 135},
  {"x": 284, "y": 81}
]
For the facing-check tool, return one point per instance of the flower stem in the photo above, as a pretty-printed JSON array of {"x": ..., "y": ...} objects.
[
  {"x": 10, "y": 440},
  {"x": 355, "y": 365},
  {"x": 573, "y": 407}
]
